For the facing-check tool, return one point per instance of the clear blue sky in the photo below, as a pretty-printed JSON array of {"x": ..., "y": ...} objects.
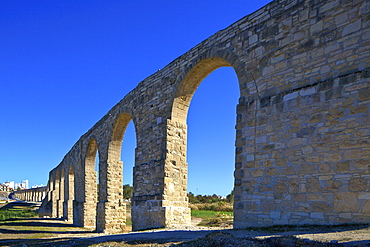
[{"x": 64, "y": 64}]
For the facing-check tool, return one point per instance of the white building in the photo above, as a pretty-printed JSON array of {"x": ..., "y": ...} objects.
[
  {"x": 10, "y": 184},
  {"x": 23, "y": 185}
]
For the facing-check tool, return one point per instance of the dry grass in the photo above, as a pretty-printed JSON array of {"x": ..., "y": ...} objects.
[{"x": 226, "y": 207}]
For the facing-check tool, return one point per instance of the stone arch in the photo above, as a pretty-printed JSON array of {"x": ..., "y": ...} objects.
[
  {"x": 175, "y": 180},
  {"x": 192, "y": 77},
  {"x": 119, "y": 128},
  {"x": 113, "y": 220}
]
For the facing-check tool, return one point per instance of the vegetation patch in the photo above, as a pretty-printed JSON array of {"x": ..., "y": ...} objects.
[
  {"x": 14, "y": 211},
  {"x": 213, "y": 218},
  {"x": 220, "y": 206}
]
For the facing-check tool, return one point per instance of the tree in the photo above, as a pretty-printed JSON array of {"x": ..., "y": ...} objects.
[
  {"x": 127, "y": 191},
  {"x": 230, "y": 197}
]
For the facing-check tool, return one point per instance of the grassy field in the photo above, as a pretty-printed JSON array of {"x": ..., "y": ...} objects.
[
  {"x": 213, "y": 218},
  {"x": 19, "y": 225},
  {"x": 16, "y": 211}
]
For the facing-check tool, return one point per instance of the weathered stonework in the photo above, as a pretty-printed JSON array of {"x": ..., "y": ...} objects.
[{"x": 302, "y": 126}]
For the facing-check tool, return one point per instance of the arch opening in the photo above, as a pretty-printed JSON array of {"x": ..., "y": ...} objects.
[
  {"x": 205, "y": 105},
  {"x": 91, "y": 187},
  {"x": 190, "y": 83},
  {"x": 121, "y": 158}
]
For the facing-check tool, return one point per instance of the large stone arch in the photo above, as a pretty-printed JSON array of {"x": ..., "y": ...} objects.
[
  {"x": 189, "y": 82},
  {"x": 111, "y": 206},
  {"x": 90, "y": 186},
  {"x": 176, "y": 175}
]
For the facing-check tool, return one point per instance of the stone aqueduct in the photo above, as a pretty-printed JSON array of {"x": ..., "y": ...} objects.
[{"x": 302, "y": 127}]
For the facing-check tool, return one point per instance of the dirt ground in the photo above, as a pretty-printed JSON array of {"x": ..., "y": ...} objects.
[
  {"x": 52, "y": 232},
  {"x": 60, "y": 233}
]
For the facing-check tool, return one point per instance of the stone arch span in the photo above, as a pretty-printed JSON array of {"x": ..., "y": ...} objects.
[
  {"x": 112, "y": 203},
  {"x": 192, "y": 78},
  {"x": 176, "y": 177},
  {"x": 302, "y": 136}
]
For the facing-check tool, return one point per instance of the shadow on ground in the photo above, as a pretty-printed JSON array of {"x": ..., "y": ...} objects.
[{"x": 17, "y": 232}]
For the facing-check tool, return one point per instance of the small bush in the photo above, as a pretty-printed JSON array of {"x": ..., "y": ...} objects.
[
  {"x": 207, "y": 214},
  {"x": 226, "y": 207}
]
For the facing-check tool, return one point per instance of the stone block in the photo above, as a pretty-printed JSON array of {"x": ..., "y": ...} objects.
[
  {"x": 364, "y": 94},
  {"x": 366, "y": 207},
  {"x": 306, "y": 168},
  {"x": 342, "y": 166},
  {"x": 358, "y": 184},
  {"x": 280, "y": 188},
  {"x": 317, "y": 215},
  {"x": 313, "y": 185},
  {"x": 332, "y": 185},
  {"x": 345, "y": 202},
  {"x": 297, "y": 142},
  {"x": 272, "y": 171},
  {"x": 341, "y": 18},
  {"x": 321, "y": 207},
  {"x": 316, "y": 118},
  {"x": 275, "y": 215},
  {"x": 359, "y": 109},
  {"x": 352, "y": 154},
  {"x": 333, "y": 157},
  {"x": 352, "y": 27},
  {"x": 290, "y": 96}
]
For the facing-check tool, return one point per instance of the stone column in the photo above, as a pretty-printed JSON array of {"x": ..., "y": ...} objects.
[
  {"x": 175, "y": 199},
  {"x": 90, "y": 198},
  {"x": 160, "y": 185},
  {"x": 69, "y": 195},
  {"x": 55, "y": 198},
  {"x": 111, "y": 207}
]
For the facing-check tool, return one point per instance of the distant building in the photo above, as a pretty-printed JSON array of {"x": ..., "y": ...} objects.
[
  {"x": 14, "y": 186},
  {"x": 23, "y": 185},
  {"x": 10, "y": 185},
  {"x": 4, "y": 187}
]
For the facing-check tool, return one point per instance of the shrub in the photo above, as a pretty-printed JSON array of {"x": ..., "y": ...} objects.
[{"x": 227, "y": 207}]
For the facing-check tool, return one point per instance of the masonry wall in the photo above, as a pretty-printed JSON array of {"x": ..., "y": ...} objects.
[
  {"x": 303, "y": 146},
  {"x": 302, "y": 126}
]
